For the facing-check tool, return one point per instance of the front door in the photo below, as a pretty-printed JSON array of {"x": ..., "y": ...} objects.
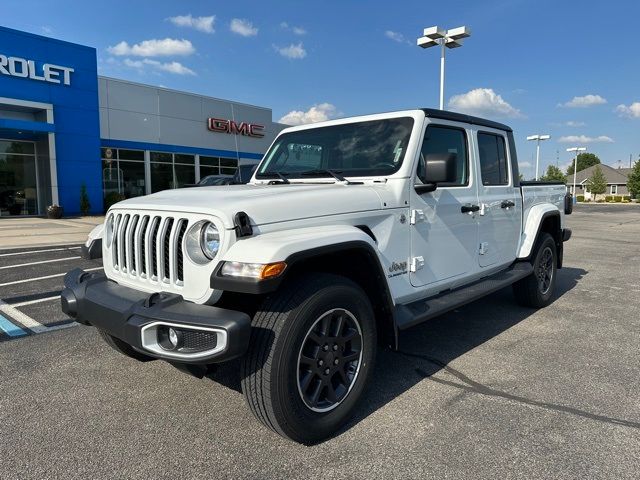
[
  {"x": 444, "y": 238},
  {"x": 501, "y": 203}
]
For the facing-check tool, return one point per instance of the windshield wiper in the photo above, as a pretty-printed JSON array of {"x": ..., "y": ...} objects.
[
  {"x": 325, "y": 171},
  {"x": 280, "y": 175}
]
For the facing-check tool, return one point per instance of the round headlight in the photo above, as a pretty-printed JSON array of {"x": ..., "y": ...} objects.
[{"x": 210, "y": 240}]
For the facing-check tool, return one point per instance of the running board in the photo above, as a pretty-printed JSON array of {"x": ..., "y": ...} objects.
[{"x": 422, "y": 310}]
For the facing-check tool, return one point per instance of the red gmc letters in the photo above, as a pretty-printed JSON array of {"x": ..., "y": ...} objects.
[{"x": 222, "y": 125}]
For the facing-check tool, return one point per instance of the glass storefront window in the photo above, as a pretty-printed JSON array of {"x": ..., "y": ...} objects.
[
  {"x": 209, "y": 161},
  {"x": 137, "y": 155},
  {"x": 184, "y": 174},
  {"x": 161, "y": 176},
  {"x": 161, "y": 157},
  {"x": 18, "y": 179},
  {"x": 20, "y": 148},
  {"x": 132, "y": 183},
  {"x": 186, "y": 159}
]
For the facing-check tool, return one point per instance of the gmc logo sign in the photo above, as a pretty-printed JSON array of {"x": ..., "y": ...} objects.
[{"x": 222, "y": 125}]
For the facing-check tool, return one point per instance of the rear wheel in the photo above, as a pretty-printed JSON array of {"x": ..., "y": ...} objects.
[
  {"x": 536, "y": 290},
  {"x": 311, "y": 352}
]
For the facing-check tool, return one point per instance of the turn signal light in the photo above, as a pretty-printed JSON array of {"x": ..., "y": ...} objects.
[{"x": 259, "y": 271}]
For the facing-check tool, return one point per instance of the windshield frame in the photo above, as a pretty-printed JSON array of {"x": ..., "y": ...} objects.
[{"x": 414, "y": 123}]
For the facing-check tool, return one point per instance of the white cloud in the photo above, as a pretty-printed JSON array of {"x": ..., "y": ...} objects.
[
  {"x": 294, "y": 29},
  {"x": 483, "y": 102},
  {"x": 317, "y": 113},
  {"x": 170, "y": 67},
  {"x": 581, "y": 139},
  {"x": 395, "y": 36},
  {"x": 154, "y": 48},
  {"x": 631, "y": 111},
  {"x": 202, "y": 24},
  {"x": 243, "y": 27},
  {"x": 524, "y": 164},
  {"x": 583, "y": 102},
  {"x": 294, "y": 52},
  {"x": 570, "y": 123}
]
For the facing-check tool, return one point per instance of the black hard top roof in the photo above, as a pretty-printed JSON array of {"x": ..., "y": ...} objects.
[{"x": 461, "y": 117}]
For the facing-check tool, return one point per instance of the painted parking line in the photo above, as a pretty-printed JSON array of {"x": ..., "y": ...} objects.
[
  {"x": 39, "y": 251},
  {"x": 32, "y": 302},
  {"x": 40, "y": 262},
  {"x": 27, "y": 280},
  {"x": 10, "y": 328}
]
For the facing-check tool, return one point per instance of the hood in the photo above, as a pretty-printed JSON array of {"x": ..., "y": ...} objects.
[{"x": 262, "y": 203}]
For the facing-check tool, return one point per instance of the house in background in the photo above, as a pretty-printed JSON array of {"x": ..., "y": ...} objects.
[{"x": 616, "y": 180}]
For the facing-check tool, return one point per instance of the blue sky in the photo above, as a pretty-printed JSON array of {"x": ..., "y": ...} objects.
[{"x": 567, "y": 68}]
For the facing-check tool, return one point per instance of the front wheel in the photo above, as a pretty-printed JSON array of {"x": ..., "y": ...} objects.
[
  {"x": 311, "y": 352},
  {"x": 536, "y": 290}
]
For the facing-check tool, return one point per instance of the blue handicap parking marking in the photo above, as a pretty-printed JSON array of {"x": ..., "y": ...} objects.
[{"x": 10, "y": 328}]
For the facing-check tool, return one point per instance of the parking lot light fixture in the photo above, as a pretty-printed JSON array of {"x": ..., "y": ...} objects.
[
  {"x": 575, "y": 166},
  {"x": 452, "y": 38},
  {"x": 538, "y": 139}
]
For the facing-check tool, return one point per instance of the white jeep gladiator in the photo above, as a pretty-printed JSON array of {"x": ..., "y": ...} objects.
[{"x": 349, "y": 232}]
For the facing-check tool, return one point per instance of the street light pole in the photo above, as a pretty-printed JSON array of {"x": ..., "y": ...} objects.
[
  {"x": 575, "y": 167},
  {"x": 452, "y": 38},
  {"x": 442, "y": 55},
  {"x": 538, "y": 139}
]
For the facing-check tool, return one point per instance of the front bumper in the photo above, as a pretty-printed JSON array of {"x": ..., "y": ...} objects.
[{"x": 136, "y": 317}]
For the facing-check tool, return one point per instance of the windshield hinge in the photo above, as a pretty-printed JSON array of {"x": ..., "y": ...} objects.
[{"x": 416, "y": 216}]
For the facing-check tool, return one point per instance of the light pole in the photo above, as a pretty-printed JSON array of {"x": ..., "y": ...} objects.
[
  {"x": 575, "y": 167},
  {"x": 538, "y": 139},
  {"x": 452, "y": 38}
]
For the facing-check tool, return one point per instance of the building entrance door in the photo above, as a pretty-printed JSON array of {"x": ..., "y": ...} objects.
[{"x": 18, "y": 178}]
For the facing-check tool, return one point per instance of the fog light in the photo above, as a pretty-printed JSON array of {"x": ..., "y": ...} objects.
[
  {"x": 170, "y": 338},
  {"x": 173, "y": 337}
]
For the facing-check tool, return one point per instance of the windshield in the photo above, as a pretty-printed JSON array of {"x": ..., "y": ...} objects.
[{"x": 374, "y": 148}]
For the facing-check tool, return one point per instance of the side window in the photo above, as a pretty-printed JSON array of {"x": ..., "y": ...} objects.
[
  {"x": 493, "y": 159},
  {"x": 443, "y": 140}
]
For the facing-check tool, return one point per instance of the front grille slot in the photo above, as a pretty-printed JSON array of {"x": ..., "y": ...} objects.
[
  {"x": 149, "y": 247},
  {"x": 182, "y": 229},
  {"x": 154, "y": 246}
]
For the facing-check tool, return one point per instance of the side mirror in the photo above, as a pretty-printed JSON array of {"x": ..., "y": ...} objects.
[{"x": 439, "y": 168}]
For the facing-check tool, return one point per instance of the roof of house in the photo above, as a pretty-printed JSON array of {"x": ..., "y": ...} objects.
[{"x": 613, "y": 175}]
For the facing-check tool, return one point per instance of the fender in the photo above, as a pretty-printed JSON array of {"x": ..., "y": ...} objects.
[
  {"x": 92, "y": 248},
  {"x": 531, "y": 230},
  {"x": 289, "y": 246}
]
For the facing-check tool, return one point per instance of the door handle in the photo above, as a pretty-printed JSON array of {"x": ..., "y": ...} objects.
[
  {"x": 507, "y": 204},
  {"x": 469, "y": 208}
]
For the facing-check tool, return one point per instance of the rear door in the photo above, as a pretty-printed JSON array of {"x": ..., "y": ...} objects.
[
  {"x": 444, "y": 238},
  {"x": 500, "y": 216}
]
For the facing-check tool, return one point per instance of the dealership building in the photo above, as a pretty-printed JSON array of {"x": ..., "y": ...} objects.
[{"x": 63, "y": 127}]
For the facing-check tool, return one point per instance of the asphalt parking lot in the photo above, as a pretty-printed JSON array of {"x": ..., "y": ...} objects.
[{"x": 492, "y": 390}]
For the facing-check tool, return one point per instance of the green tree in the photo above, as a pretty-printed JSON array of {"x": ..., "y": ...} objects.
[
  {"x": 554, "y": 174},
  {"x": 585, "y": 160},
  {"x": 597, "y": 182},
  {"x": 85, "y": 205},
  {"x": 633, "y": 183}
]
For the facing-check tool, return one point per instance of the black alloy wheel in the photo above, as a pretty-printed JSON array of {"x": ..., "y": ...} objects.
[{"x": 329, "y": 360}]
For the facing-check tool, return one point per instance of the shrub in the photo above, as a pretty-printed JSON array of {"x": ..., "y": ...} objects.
[
  {"x": 580, "y": 198},
  {"x": 626, "y": 198},
  {"x": 617, "y": 198},
  {"x": 111, "y": 198},
  {"x": 608, "y": 198}
]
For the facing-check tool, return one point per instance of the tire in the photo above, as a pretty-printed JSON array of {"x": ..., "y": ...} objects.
[
  {"x": 123, "y": 348},
  {"x": 536, "y": 290},
  {"x": 289, "y": 357}
]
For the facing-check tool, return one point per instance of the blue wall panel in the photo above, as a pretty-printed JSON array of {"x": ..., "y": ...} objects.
[{"x": 75, "y": 110}]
